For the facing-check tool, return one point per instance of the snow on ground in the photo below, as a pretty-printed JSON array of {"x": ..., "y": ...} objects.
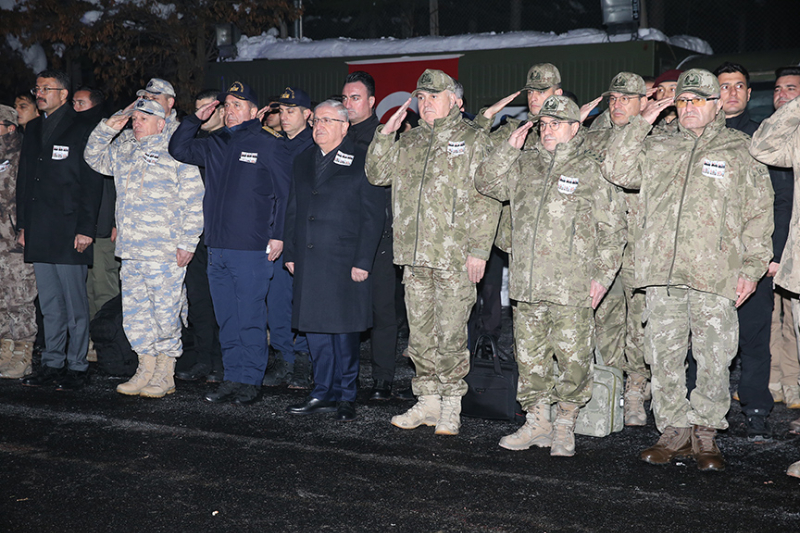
[{"x": 268, "y": 46}]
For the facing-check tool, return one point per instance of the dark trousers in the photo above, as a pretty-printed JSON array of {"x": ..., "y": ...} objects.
[
  {"x": 239, "y": 282},
  {"x": 384, "y": 313},
  {"x": 335, "y": 363},
  {"x": 486, "y": 316},
  {"x": 279, "y": 315},
  {"x": 201, "y": 310},
  {"x": 65, "y": 309}
]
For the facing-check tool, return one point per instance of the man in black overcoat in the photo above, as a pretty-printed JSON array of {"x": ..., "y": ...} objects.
[{"x": 334, "y": 221}]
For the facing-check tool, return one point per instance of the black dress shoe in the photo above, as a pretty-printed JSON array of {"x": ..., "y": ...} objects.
[
  {"x": 46, "y": 375},
  {"x": 246, "y": 394},
  {"x": 404, "y": 394},
  {"x": 197, "y": 372},
  {"x": 215, "y": 376},
  {"x": 72, "y": 380},
  {"x": 224, "y": 393},
  {"x": 312, "y": 406},
  {"x": 381, "y": 391},
  {"x": 345, "y": 411}
]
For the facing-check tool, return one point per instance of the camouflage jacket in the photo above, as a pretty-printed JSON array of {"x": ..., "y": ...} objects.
[
  {"x": 10, "y": 148},
  {"x": 777, "y": 143},
  {"x": 706, "y": 205},
  {"x": 159, "y": 200},
  {"x": 568, "y": 225},
  {"x": 597, "y": 140},
  {"x": 439, "y": 217}
]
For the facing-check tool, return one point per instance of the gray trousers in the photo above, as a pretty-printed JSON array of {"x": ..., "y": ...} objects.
[{"x": 65, "y": 308}]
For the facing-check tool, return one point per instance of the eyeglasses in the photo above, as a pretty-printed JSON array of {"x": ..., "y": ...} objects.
[
  {"x": 326, "y": 121},
  {"x": 624, "y": 99},
  {"x": 553, "y": 125},
  {"x": 45, "y": 90},
  {"x": 697, "y": 101}
]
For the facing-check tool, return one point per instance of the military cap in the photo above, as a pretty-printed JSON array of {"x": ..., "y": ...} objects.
[
  {"x": 9, "y": 114},
  {"x": 670, "y": 75},
  {"x": 434, "y": 81},
  {"x": 560, "y": 108},
  {"x": 293, "y": 96},
  {"x": 239, "y": 90},
  {"x": 627, "y": 83},
  {"x": 698, "y": 81},
  {"x": 151, "y": 107},
  {"x": 157, "y": 86},
  {"x": 541, "y": 77}
]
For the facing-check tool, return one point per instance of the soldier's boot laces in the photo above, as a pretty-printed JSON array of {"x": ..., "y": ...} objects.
[
  {"x": 706, "y": 453},
  {"x": 143, "y": 375},
  {"x": 425, "y": 412},
  {"x": 537, "y": 431},
  {"x": 6, "y": 353},
  {"x": 163, "y": 380},
  {"x": 450, "y": 417},
  {"x": 674, "y": 443},
  {"x": 635, "y": 414},
  {"x": 564, "y": 430},
  {"x": 21, "y": 361}
]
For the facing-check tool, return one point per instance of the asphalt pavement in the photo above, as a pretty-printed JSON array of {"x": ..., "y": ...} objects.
[{"x": 95, "y": 460}]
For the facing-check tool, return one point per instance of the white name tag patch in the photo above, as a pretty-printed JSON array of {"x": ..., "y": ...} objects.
[
  {"x": 151, "y": 158},
  {"x": 343, "y": 159},
  {"x": 714, "y": 169},
  {"x": 249, "y": 157},
  {"x": 456, "y": 148},
  {"x": 4, "y": 165},
  {"x": 60, "y": 152},
  {"x": 567, "y": 185}
]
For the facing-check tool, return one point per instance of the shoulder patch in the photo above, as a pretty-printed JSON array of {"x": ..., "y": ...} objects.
[
  {"x": 597, "y": 157},
  {"x": 271, "y": 131}
]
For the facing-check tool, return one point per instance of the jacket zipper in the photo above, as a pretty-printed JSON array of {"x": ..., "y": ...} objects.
[
  {"x": 680, "y": 209},
  {"x": 419, "y": 198}
]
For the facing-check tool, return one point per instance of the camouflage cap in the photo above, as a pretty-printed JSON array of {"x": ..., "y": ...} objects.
[
  {"x": 151, "y": 107},
  {"x": 627, "y": 83},
  {"x": 434, "y": 81},
  {"x": 157, "y": 86},
  {"x": 698, "y": 81},
  {"x": 561, "y": 108},
  {"x": 9, "y": 115},
  {"x": 541, "y": 77}
]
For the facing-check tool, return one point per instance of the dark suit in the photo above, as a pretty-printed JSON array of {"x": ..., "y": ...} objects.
[
  {"x": 58, "y": 197},
  {"x": 334, "y": 221}
]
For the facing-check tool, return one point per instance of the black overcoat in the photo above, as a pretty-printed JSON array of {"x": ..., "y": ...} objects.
[
  {"x": 334, "y": 222},
  {"x": 58, "y": 195}
]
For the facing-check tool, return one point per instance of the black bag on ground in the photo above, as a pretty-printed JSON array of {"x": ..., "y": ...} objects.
[
  {"x": 114, "y": 354},
  {"x": 492, "y": 382}
]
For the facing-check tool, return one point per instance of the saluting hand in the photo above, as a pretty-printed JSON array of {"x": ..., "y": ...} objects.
[
  {"x": 499, "y": 105},
  {"x": 394, "y": 123},
  {"x": 654, "y": 108},
  {"x": 587, "y": 108},
  {"x": 518, "y": 136},
  {"x": 205, "y": 112},
  {"x": 120, "y": 118}
]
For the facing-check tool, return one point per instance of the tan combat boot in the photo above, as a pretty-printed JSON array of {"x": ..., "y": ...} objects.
[
  {"x": 143, "y": 375},
  {"x": 163, "y": 380},
  {"x": 425, "y": 412},
  {"x": 777, "y": 392},
  {"x": 20, "y": 364},
  {"x": 674, "y": 443},
  {"x": 450, "y": 417},
  {"x": 635, "y": 388},
  {"x": 794, "y": 470},
  {"x": 6, "y": 353},
  {"x": 705, "y": 449},
  {"x": 564, "y": 430},
  {"x": 791, "y": 395},
  {"x": 537, "y": 430}
]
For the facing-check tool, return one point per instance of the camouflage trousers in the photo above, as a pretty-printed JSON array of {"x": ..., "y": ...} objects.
[
  {"x": 153, "y": 306},
  {"x": 438, "y": 303},
  {"x": 619, "y": 332},
  {"x": 17, "y": 293},
  {"x": 714, "y": 327},
  {"x": 543, "y": 330}
]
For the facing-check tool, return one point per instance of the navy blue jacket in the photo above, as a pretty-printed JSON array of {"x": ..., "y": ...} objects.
[
  {"x": 285, "y": 152},
  {"x": 244, "y": 205}
]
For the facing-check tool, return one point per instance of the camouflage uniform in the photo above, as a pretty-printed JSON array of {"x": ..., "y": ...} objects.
[
  {"x": 568, "y": 229},
  {"x": 706, "y": 221},
  {"x": 439, "y": 220},
  {"x": 18, "y": 285},
  {"x": 158, "y": 211}
]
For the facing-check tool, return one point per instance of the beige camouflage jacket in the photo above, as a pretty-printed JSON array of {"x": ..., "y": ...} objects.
[
  {"x": 10, "y": 147},
  {"x": 439, "y": 217},
  {"x": 159, "y": 199},
  {"x": 777, "y": 143},
  {"x": 706, "y": 205},
  {"x": 568, "y": 225}
]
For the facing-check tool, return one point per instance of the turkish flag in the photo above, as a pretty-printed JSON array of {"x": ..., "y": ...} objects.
[{"x": 396, "y": 78}]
